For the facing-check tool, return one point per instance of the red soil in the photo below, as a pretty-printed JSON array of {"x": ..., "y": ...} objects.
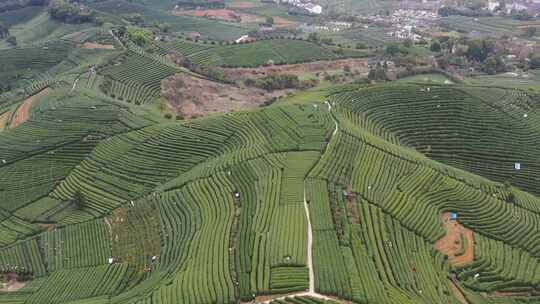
[
  {"x": 222, "y": 14},
  {"x": 451, "y": 244},
  {"x": 23, "y": 111}
]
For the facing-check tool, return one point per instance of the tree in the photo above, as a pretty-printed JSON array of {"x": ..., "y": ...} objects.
[
  {"x": 408, "y": 43},
  {"x": 78, "y": 200},
  {"x": 531, "y": 32},
  {"x": 12, "y": 40},
  {"x": 494, "y": 65},
  {"x": 435, "y": 47},
  {"x": 68, "y": 12},
  {"x": 479, "y": 49},
  {"x": 4, "y": 31},
  {"x": 392, "y": 49},
  {"x": 314, "y": 37},
  {"x": 278, "y": 82},
  {"x": 270, "y": 20},
  {"x": 535, "y": 62},
  {"x": 521, "y": 15},
  {"x": 139, "y": 36},
  {"x": 361, "y": 46},
  {"x": 377, "y": 72}
]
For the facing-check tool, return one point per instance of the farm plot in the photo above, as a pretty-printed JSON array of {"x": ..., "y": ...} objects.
[
  {"x": 212, "y": 29},
  {"x": 277, "y": 51},
  {"x": 82, "y": 245},
  {"x": 206, "y": 276},
  {"x": 74, "y": 284},
  {"x": 454, "y": 137},
  {"x": 134, "y": 78},
  {"x": 500, "y": 267},
  {"x": 212, "y": 210}
]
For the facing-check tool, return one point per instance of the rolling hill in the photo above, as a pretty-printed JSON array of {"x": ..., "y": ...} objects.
[{"x": 396, "y": 193}]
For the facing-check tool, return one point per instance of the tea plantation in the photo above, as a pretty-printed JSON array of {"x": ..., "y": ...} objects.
[{"x": 332, "y": 201}]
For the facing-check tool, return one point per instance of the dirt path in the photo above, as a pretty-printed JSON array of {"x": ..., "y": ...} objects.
[
  {"x": 117, "y": 40},
  {"x": 23, "y": 111},
  {"x": 75, "y": 83},
  {"x": 309, "y": 247},
  {"x": 311, "y": 290},
  {"x": 457, "y": 292},
  {"x": 95, "y": 46},
  {"x": 452, "y": 243}
]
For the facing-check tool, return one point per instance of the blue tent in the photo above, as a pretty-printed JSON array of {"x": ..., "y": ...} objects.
[{"x": 453, "y": 216}]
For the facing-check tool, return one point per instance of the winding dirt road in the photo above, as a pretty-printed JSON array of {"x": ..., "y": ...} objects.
[{"x": 311, "y": 291}]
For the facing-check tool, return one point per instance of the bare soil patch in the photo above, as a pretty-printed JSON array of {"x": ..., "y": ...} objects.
[
  {"x": 46, "y": 226},
  {"x": 93, "y": 46},
  {"x": 23, "y": 111},
  {"x": 358, "y": 65},
  {"x": 11, "y": 282},
  {"x": 12, "y": 286},
  {"x": 452, "y": 243},
  {"x": 512, "y": 294},
  {"x": 4, "y": 119},
  {"x": 251, "y": 18},
  {"x": 221, "y": 14},
  {"x": 190, "y": 96}
]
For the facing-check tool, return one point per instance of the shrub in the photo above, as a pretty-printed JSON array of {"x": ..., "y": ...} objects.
[{"x": 277, "y": 82}]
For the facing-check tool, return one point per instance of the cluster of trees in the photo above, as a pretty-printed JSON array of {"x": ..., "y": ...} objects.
[
  {"x": 394, "y": 49},
  {"x": 477, "y": 9},
  {"x": 278, "y": 82},
  {"x": 378, "y": 72},
  {"x": 4, "y": 31},
  {"x": 10, "y": 5},
  {"x": 139, "y": 36},
  {"x": 535, "y": 62},
  {"x": 275, "y": 82},
  {"x": 68, "y": 12},
  {"x": 468, "y": 12},
  {"x": 481, "y": 52}
]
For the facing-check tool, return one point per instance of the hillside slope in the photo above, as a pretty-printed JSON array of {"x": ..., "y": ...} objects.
[{"x": 212, "y": 210}]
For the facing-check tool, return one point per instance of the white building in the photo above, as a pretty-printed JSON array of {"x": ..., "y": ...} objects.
[
  {"x": 492, "y": 5},
  {"x": 313, "y": 8}
]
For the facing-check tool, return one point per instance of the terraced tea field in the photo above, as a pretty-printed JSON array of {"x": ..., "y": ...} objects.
[
  {"x": 397, "y": 193},
  {"x": 278, "y": 51}
]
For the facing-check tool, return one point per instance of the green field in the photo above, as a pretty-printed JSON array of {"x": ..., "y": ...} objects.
[
  {"x": 335, "y": 194},
  {"x": 211, "y": 29},
  {"x": 278, "y": 51},
  {"x": 527, "y": 81},
  {"x": 487, "y": 26},
  {"x": 225, "y": 197}
]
